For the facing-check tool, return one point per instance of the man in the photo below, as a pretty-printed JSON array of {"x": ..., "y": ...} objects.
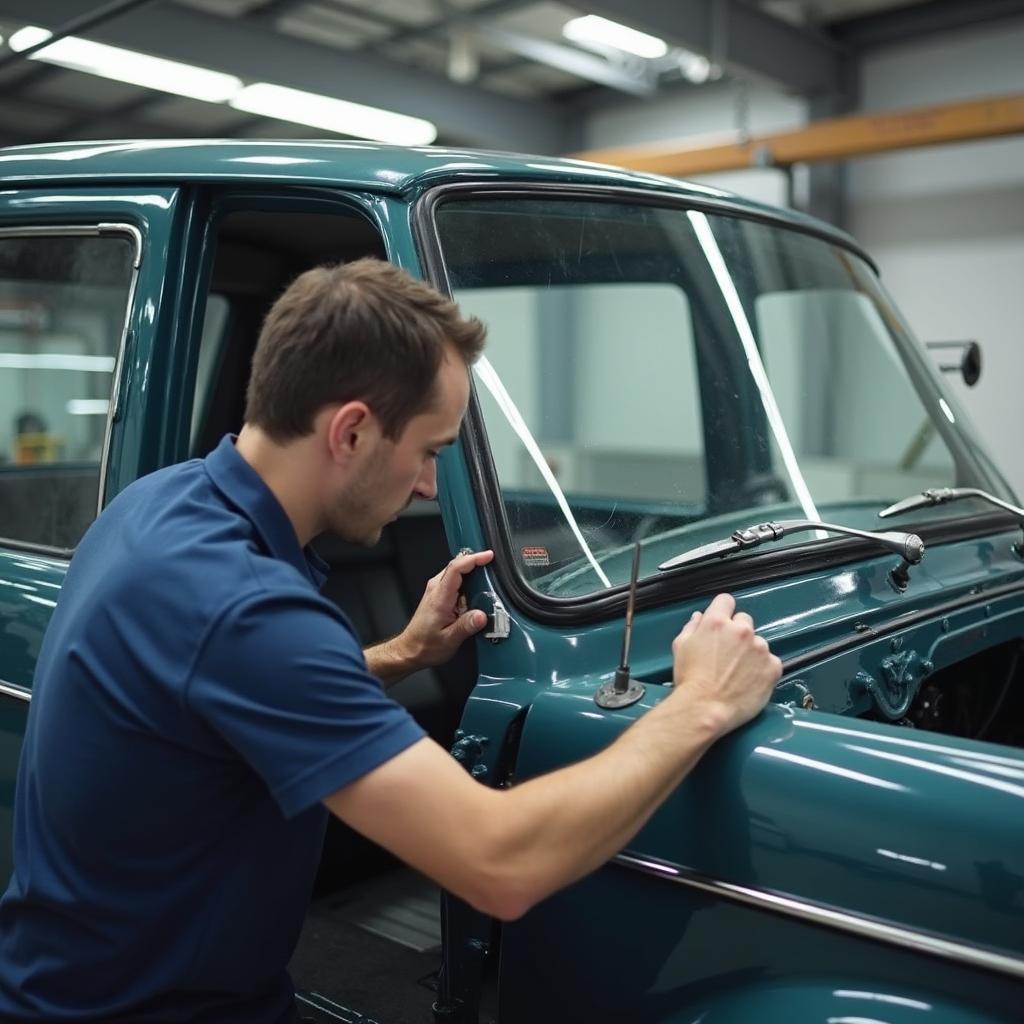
[{"x": 198, "y": 707}]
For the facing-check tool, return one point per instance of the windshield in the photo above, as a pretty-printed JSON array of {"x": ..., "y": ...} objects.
[{"x": 667, "y": 376}]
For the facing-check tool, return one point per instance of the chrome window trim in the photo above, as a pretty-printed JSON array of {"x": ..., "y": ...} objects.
[
  {"x": 115, "y": 392},
  {"x": 96, "y": 231},
  {"x": 19, "y": 692},
  {"x": 860, "y": 925}
]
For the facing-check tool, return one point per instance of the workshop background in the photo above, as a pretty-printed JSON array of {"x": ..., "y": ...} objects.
[{"x": 924, "y": 166}]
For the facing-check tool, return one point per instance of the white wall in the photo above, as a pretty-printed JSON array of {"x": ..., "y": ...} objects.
[
  {"x": 704, "y": 115},
  {"x": 946, "y": 224},
  {"x": 631, "y": 431},
  {"x": 512, "y": 349}
]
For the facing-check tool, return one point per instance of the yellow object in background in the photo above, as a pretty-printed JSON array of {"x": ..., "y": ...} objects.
[{"x": 37, "y": 446}]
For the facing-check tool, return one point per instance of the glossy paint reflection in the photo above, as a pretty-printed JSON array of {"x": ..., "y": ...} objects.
[{"x": 28, "y": 593}]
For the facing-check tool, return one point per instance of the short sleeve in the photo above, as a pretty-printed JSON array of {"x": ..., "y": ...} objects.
[{"x": 281, "y": 677}]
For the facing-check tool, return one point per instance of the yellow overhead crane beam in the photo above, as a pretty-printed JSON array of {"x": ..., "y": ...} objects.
[{"x": 839, "y": 138}]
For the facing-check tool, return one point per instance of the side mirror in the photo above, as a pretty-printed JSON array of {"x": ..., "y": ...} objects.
[{"x": 969, "y": 366}]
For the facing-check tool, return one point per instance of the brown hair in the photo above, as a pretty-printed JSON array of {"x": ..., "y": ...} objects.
[{"x": 364, "y": 330}]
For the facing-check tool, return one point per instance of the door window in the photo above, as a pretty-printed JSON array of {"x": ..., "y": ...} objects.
[{"x": 63, "y": 303}]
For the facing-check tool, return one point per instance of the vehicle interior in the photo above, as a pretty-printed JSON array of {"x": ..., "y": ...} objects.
[{"x": 371, "y": 924}]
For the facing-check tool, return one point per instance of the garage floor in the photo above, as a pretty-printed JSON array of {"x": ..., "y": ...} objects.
[{"x": 368, "y": 954}]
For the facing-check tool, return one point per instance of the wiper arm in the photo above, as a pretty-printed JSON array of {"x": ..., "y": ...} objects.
[
  {"x": 942, "y": 495},
  {"x": 908, "y": 546}
]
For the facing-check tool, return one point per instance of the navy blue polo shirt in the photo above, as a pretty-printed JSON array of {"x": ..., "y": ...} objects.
[{"x": 194, "y": 701}]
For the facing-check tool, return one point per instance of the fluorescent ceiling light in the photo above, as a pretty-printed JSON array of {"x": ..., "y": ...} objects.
[
  {"x": 128, "y": 66},
  {"x": 262, "y": 98},
  {"x": 695, "y": 67},
  {"x": 591, "y": 29},
  {"x": 55, "y": 361},
  {"x": 88, "y": 406},
  {"x": 333, "y": 115}
]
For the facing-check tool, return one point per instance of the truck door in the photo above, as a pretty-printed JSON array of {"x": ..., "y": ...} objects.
[{"x": 81, "y": 286}]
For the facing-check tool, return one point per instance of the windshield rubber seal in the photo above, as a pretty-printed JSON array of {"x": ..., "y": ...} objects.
[{"x": 684, "y": 583}]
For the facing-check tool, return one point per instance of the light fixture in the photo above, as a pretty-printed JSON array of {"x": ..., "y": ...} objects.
[
  {"x": 261, "y": 98},
  {"x": 695, "y": 67},
  {"x": 592, "y": 31},
  {"x": 88, "y": 406},
  {"x": 128, "y": 66},
  {"x": 333, "y": 115},
  {"x": 55, "y": 361}
]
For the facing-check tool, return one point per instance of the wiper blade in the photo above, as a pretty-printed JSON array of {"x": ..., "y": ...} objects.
[
  {"x": 908, "y": 546},
  {"x": 944, "y": 495}
]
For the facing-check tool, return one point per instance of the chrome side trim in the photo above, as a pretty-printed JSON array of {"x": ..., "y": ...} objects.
[
  {"x": 19, "y": 692},
  {"x": 838, "y": 920}
]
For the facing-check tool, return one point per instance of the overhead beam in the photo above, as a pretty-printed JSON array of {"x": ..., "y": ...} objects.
[
  {"x": 272, "y": 12},
  {"x": 900, "y": 24},
  {"x": 453, "y": 21},
  {"x": 256, "y": 53},
  {"x": 83, "y": 23},
  {"x": 570, "y": 60},
  {"x": 749, "y": 42},
  {"x": 840, "y": 138}
]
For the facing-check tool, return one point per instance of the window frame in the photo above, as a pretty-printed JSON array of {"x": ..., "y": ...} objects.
[
  {"x": 99, "y": 229},
  {"x": 216, "y": 204},
  {"x": 708, "y": 579}
]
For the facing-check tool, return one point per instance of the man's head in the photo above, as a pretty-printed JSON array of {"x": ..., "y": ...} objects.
[
  {"x": 368, "y": 368},
  {"x": 363, "y": 330}
]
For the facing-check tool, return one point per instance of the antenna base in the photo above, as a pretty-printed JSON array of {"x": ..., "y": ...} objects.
[{"x": 608, "y": 697}]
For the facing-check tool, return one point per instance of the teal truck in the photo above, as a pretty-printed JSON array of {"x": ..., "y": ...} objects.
[{"x": 683, "y": 393}]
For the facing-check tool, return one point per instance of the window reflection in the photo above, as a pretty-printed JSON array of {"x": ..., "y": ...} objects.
[{"x": 62, "y": 311}]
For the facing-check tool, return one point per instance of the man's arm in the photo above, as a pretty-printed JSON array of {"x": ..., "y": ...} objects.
[
  {"x": 504, "y": 850},
  {"x": 437, "y": 629}
]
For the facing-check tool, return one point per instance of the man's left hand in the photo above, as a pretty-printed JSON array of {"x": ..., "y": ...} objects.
[{"x": 438, "y": 627}]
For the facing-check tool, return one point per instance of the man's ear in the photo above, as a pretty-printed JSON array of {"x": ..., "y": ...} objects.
[{"x": 351, "y": 429}]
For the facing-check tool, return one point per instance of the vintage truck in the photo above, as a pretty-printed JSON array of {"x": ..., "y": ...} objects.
[{"x": 682, "y": 389}]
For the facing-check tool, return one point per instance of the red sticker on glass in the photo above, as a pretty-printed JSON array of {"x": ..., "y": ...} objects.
[{"x": 535, "y": 556}]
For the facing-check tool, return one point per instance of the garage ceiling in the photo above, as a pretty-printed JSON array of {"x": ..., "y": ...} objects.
[{"x": 497, "y": 73}]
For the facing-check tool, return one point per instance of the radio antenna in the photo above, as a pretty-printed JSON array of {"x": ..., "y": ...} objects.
[{"x": 622, "y": 690}]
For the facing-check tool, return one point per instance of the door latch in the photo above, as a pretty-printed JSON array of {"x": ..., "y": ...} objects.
[{"x": 499, "y": 622}]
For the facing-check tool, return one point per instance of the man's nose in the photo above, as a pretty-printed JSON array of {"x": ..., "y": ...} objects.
[{"x": 426, "y": 486}]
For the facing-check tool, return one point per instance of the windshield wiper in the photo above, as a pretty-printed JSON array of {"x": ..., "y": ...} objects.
[
  {"x": 908, "y": 546},
  {"x": 942, "y": 495}
]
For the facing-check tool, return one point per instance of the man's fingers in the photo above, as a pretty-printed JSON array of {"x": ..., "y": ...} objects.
[
  {"x": 744, "y": 619},
  {"x": 469, "y": 624},
  {"x": 691, "y": 625},
  {"x": 469, "y": 561},
  {"x": 463, "y": 564},
  {"x": 722, "y": 607}
]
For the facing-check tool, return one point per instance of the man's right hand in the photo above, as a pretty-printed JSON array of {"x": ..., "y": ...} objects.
[
  {"x": 502, "y": 850},
  {"x": 721, "y": 667}
]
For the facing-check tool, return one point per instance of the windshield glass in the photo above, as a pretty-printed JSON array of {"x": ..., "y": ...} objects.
[{"x": 669, "y": 375}]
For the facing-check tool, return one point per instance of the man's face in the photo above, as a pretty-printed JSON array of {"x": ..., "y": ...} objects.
[{"x": 396, "y": 471}]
